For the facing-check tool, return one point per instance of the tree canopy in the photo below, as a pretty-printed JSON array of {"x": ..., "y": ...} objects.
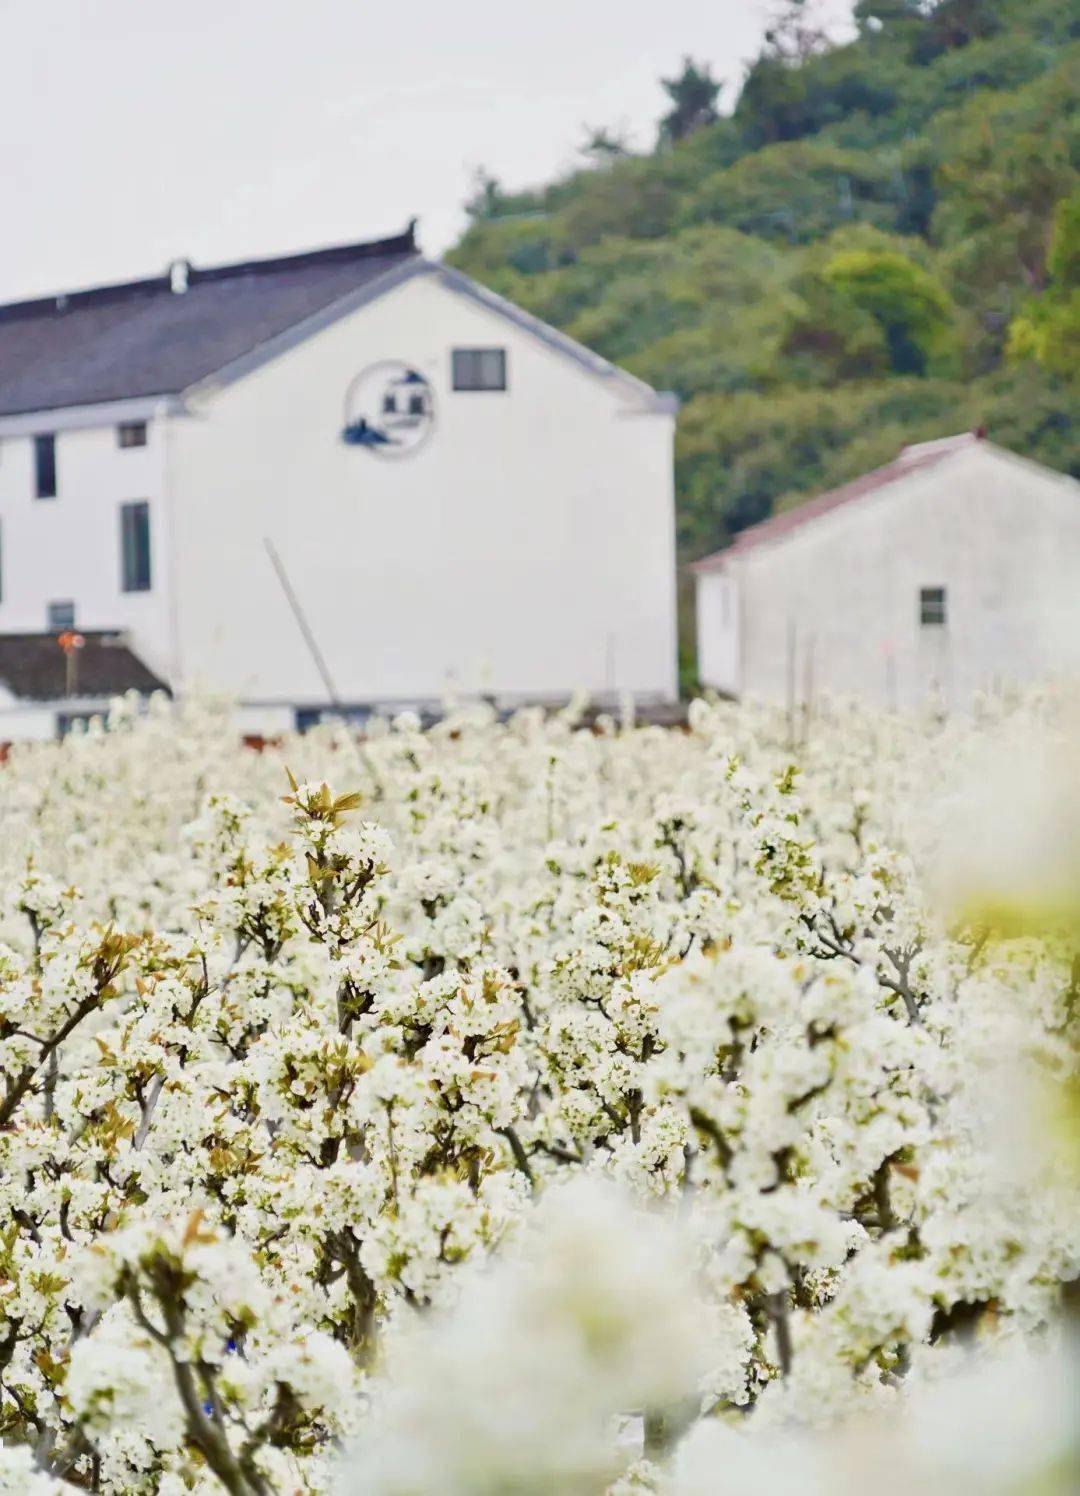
[{"x": 693, "y": 96}]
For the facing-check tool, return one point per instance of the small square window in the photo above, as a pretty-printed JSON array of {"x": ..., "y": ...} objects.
[
  {"x": 131, "y": 434},
  {"x": 932, "y": 610},
  {"x": 45, "y": 465},
  {"x": 61, "y": 616},
  {"x": 479, "y": 368}
]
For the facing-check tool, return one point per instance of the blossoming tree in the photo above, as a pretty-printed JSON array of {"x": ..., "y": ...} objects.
[{"x": 529, "y": 1085}]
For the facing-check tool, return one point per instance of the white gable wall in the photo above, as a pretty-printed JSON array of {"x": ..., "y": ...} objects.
[
  {"x": 833, "y": 606},
  {"x": 527, "y": 548}
]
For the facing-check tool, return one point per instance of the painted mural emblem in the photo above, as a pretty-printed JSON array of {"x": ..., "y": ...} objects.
[{"x": 389, "y": 409}]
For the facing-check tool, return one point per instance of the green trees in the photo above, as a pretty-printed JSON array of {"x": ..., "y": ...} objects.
[
  {"x": 602, "y": 145},
  {"x": 797, "y": 191},
  {"x": 693, "y": 96},
  {"x": 1063, "y": 261},
  {"x": 799, "y": 85},
  {"x": 909, "y": 306},
  {"x": 930, "y": 27},
  {"x": 1048, "y": 330},
  {"x": 1004, "y": 162},
  {"x": 957, "y": 23}
]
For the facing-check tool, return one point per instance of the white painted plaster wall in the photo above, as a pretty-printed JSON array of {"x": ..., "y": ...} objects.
[{"x": 718, "y": 633}]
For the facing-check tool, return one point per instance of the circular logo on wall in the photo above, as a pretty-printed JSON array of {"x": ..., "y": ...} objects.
[{"x": 389, "y": 409}]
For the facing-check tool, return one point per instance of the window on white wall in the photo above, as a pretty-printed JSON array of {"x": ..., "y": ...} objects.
[
  {"x": 61, "y": 616},
  {"x": 479, "y": 368},
  {"x": 135, "y": 546},
  {"x": 932, "y": 606},
  {"x": 45, "y": 465},
  {"x": 131, "y": 434}
]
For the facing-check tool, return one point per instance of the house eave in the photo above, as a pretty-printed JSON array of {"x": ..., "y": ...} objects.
[
  {"x": 100, "y": 413},
  {"x": 706, "y": 565}
]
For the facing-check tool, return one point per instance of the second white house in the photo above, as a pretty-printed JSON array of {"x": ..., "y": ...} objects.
[
  {"x": 351, "y": 476},
  {"x": 955, "y": 569}
]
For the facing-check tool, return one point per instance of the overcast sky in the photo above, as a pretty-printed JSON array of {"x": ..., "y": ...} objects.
[{"x": 135, "y": 131}]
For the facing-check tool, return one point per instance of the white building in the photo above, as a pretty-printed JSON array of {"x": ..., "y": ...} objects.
[
  {"x": 348, "y": 476},
  {"x": 954, "y": 569}
]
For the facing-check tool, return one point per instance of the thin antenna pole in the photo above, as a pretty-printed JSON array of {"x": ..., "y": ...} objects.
[
  {"x": 808, "y": 688},
  {"x": 791, "y": 681},
  {"x": 305, "y": 628}
]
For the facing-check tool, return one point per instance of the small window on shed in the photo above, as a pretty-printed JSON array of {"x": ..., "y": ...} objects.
[
  {"x": 479, "y": 368},
  {"x": 932, "y": 610},
  {"x": 45, "y": 465},
  {"x": 61, "y": 616},
  {"x": 131, "y": 434}
]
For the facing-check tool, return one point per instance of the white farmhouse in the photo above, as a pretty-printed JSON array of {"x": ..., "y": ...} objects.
[
  {"x": 953, "y": 570},
  {"x": 348, "y": 477}
]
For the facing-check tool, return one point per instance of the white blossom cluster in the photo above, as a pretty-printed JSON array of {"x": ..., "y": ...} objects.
[{"x": 542, "y": 1108}]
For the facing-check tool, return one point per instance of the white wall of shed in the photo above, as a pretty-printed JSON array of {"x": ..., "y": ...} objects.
[
  {"x": 833, "y": 606},
  {"x": 718, "y": 632}
]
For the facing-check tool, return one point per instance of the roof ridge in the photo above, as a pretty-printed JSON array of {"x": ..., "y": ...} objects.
[
  {"x": 396, "y": 244},
  {"x": 942, "y": 444},
  {"x": 333, "y": 254}
]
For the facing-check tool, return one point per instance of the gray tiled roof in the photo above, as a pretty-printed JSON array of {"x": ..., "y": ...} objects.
[
  {"x": 141, "y": 338},
  {"x": 34, "y": 667}
]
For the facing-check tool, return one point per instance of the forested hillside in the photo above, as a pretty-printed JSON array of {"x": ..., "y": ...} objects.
[{"x": 880, "y": 244}]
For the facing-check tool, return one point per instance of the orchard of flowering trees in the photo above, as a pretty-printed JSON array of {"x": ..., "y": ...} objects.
[{"x": 529, "y": 1108}]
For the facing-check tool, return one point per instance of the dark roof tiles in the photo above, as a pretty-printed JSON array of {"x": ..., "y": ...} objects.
[
  {"x": 142, "y": 338},
  {"x": 33, "y": 667}
]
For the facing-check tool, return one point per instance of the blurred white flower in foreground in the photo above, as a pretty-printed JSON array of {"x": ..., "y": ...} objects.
[
  {"x": 18, "y": 1476},
  {"x": 517, "y": 1389},
  {"x": 1000, "y": 1425},
  {"x": 1009, "y": 834}
]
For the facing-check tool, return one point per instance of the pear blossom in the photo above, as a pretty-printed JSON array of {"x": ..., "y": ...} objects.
[{"x": 528, "y": 1105}]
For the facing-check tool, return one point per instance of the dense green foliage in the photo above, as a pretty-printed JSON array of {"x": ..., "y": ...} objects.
[{"x": 880, "y": 244}]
